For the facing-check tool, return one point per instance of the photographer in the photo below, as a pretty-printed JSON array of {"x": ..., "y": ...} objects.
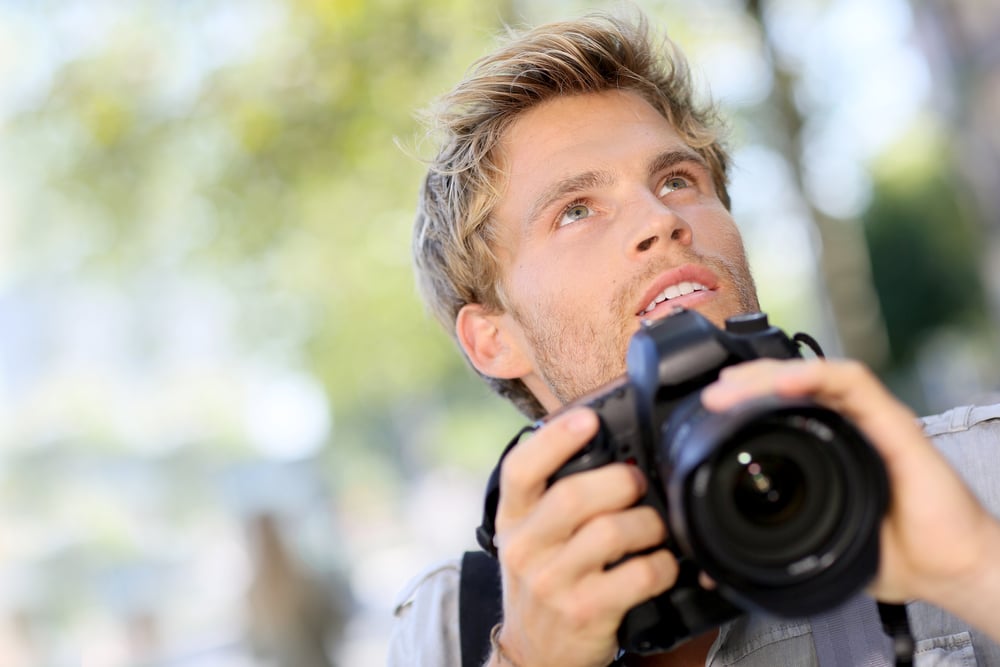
[{"x": 579, "y": 191}]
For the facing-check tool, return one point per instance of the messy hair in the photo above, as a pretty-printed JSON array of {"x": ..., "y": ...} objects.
[{"x": 454, "y": 238}]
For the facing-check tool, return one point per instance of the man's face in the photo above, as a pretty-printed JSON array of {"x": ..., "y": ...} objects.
[{"x": 606, "y": 212}]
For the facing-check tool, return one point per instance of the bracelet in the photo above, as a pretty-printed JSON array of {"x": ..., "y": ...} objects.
[{"x": 502, "y": 657}]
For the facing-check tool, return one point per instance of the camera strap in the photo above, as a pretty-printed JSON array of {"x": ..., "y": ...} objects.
[
  {"x": 487, "y": 529},
  {"x": 896, "y": 624},
  {"x": 864, "y": 634}
]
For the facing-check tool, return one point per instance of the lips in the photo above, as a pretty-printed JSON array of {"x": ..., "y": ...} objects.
[
  {"x": 674, "y": 291},
  {"x": 676, "y": 283}
]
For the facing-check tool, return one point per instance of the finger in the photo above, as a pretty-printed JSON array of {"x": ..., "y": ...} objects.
[
  {"x": 745, "y": 381},
  {"x": 608, "y": 538},
  {"x": 568, "y": 505},
  {"x": 846, "y": 387},
  {"x": 852, "y": 390},
  {"x": 633, "y": 581},
  {"x": 578, "y": 498},
  {"x": 527, "y": 468}
]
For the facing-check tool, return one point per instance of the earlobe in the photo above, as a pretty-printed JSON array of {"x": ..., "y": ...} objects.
[{"x": 490, "y": 346}]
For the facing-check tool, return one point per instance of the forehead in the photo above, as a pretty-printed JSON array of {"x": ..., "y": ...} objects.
[
  {"x": 572, "y": 134},
  {"x": 569, "y": 119}
]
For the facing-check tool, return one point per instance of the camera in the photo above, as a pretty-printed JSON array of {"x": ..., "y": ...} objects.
[{"x": 779, "y": 501}]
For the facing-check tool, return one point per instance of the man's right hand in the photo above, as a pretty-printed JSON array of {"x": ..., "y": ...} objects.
[{"x": 562, "y": 604}]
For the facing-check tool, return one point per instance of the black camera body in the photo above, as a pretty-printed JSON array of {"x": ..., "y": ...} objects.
[{"x": 779, "y": 501}]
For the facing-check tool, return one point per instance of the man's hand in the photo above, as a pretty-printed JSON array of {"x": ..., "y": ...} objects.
[
  {"x": 561, "y": 605},
  {"x": 937, "y": 542}
]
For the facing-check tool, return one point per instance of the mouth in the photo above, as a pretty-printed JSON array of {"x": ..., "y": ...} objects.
[
  {"x": 684, "y": 286},
  {"x": 673, "y": 292}
]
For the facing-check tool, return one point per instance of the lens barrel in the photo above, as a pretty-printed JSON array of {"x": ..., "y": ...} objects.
[{"x": 779, "y": 501}]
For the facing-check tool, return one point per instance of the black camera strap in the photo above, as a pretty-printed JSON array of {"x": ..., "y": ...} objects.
[
  {"x": 810, "y": 342},
  {"x": 896, "y": 625},
  {"x": 487, "y": 529}
]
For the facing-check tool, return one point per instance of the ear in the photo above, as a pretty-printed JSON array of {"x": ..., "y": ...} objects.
[{"x": 490, "y": 342}]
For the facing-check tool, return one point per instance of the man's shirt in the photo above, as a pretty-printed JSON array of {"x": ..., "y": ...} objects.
[{"x": 426, "y": 625}]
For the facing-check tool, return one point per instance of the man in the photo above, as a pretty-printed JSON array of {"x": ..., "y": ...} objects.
[{"x": 578, "y": 191}]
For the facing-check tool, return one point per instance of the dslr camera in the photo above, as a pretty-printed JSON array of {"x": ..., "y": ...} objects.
[{"x": 779, "y": 501}]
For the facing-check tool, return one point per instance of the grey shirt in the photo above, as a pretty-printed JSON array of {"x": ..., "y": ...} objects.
[{"x": 425, "y": 631}]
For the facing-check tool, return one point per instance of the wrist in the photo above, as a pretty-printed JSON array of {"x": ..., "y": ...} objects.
[{"x": 499, "y": 657}]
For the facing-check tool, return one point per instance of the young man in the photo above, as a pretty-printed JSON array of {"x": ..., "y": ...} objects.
[{"x": 578, "y": 191}]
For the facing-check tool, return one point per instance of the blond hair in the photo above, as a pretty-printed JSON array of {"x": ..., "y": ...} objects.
[{"x": 454, "y": 233}]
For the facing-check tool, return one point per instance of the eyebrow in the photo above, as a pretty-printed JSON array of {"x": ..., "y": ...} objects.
[
  {"x": 585, "y": 181},
  {"x": 595, "y": 179},
  {"x": 672, "y": 158}
]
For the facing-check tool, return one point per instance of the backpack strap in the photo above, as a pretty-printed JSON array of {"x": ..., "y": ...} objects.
[
  {"x": 480, "y": 606},
  {"x": 480, "y": 595},
  {"x": 851, "y": 634}
]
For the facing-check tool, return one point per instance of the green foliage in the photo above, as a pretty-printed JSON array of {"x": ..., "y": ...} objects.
[
  {"x": 287, "y": 174},
  {"x": 921, "y": 242}
]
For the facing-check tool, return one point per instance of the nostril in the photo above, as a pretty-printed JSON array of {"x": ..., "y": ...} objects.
[
  {"x": 675, "y": 235},
  {"x": 647, "y": 244}
]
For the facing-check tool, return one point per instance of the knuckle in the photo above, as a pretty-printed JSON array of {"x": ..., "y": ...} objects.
[
  {"x": 580, "y": 611},
  {"x": 543, "y": 585},
  {"x": 513, "y": 473},
  {"x": 515, "y": 554},
  {"x": 566, "y": 496},
  {"x": 651, "y": 524},
  {"x": 609, "y": 529},
  {"x": 665, "y": 569},
  {"x": 647, "y": 574}
]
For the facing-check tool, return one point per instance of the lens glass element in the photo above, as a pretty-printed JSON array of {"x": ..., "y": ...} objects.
[
  {"x": 768, "y": 490},
  {"x": 774, "y": 493}
]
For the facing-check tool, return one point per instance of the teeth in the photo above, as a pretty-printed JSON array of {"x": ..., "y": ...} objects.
[{"x": 674, "y": 291}]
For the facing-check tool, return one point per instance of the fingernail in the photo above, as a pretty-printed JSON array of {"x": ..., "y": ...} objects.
[
  {"x": 640, "y": 478},
  {"x": 711, "y": 393}
]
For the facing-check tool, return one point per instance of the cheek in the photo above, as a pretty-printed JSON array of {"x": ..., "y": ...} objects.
[
  {"x": 524, "y": 275},
  {"x": 721, "y": 237},
  {"x": 529, "y": 287},
  {"x": 732, "y": 245},
  {"x": 550, "y": 277}
]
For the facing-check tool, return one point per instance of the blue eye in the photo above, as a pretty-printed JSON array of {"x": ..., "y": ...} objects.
[
  {"x": 674, "y": 183},
  {"x": 574, "y": 212}
]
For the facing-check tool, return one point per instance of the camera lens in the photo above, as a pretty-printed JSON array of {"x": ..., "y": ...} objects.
[
  {"x": 768, "y": 490},
  {"x": 773, "y": 491},
  {"x": 778, "y": 500}
]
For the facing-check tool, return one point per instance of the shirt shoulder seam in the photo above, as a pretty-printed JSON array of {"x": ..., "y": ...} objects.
[
  {"x": 407, "y": 594},
  {"x": 959, "y": 419}
]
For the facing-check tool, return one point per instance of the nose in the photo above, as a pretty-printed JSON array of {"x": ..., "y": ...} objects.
[{"x": 657, "y": 224}]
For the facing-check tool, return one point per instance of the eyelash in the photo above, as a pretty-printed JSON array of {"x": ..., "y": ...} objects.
[
  {"x": 679, "y": 173},
  {"x": 583, "y": 201}
]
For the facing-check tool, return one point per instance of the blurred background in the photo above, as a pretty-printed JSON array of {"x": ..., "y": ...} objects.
[{"x": 228, "y": 432}]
